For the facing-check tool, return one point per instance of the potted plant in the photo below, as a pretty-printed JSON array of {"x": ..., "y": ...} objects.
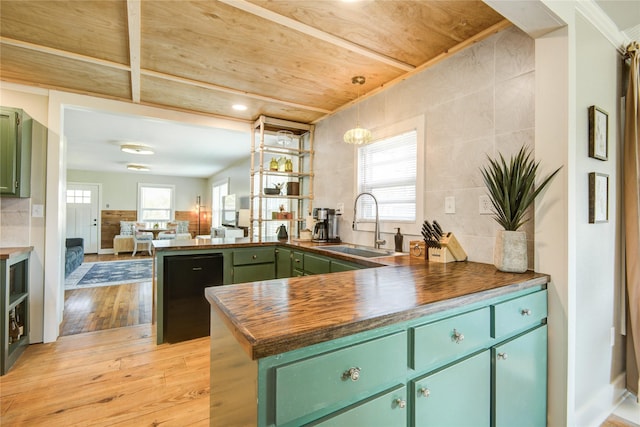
[{"x": 512, "y": 190}]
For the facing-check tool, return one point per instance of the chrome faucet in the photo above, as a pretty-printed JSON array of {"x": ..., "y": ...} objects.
[{"x": 376, "y": 236}]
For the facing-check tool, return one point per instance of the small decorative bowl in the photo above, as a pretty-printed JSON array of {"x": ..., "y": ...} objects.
[{"x": 272, "y": 191}]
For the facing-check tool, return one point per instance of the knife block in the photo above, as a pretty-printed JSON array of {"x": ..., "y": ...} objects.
[{"x": 442, "y": 254}]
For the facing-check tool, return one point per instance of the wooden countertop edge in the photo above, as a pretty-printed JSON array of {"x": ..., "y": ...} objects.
[
  {"x": 257, "y": 349},
  {"x": 11, "y": 252}
]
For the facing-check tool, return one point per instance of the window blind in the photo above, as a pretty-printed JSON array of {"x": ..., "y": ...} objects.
[{"x": 388, "y": 169}]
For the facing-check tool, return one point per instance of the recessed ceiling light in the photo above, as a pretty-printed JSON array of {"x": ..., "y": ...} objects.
[
  {"x": 239, "y": 107},
  {"x": 136, "y": 167},
  {"x": 136, "y": 149}
]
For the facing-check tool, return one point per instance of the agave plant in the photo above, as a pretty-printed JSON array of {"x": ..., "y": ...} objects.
[{"x": 511, "y": 187}]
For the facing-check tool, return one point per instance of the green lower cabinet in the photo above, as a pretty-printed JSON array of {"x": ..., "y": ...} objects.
[
  {"x": 520, "y": 380},
  {"x": 284, "y": 258},
  {"x": 337, "y": 266},
  {"x": 386, "y": 410},
  {"x": 458, "y": 395},
  {"x": 316, "y": 264},
  {"x": 254, "y": 273}
]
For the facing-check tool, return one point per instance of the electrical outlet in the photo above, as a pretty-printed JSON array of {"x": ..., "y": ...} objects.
[
  {"x": 339, "y": 208},
  {"x": 485, "y": 206},
  {"x": 450, "y": 205}
]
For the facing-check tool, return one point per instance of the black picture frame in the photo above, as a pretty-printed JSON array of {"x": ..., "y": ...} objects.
[
  {"x": 598, "y": 197},
  {"x": 598, "y": 133}
]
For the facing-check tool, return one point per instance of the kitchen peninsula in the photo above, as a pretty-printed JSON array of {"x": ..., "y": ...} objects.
[{"x": 405, "y": 342}]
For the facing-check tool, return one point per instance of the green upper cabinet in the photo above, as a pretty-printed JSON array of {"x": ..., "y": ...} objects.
[{"x": 15, "y": 152}]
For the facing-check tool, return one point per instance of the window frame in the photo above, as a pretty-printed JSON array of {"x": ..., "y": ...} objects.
[
  {"x": 416, "y": 123},
  {"x": 172, "y": 210}
]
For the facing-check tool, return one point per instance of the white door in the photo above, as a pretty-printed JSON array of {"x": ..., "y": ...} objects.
[{"x": 82, "y": 214}]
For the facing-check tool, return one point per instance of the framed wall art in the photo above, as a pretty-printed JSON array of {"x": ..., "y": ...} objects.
[
  {"x": 598, "y": 133},
  {"x": 598, "y": 197}
]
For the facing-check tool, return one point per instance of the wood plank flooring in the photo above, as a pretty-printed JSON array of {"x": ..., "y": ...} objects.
[{"x": 116, "y": 377}]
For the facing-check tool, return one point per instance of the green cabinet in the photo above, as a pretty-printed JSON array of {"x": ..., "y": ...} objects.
[
  {"x": 15, "y": 152},
  {"x": 444, "y": 369},
  {"x": 457, "y": 395},
  {"x": 520, "y": 380},
  {"x": 316, "y": 264},
  {"x": 337, "y": 266},
  {"x": 283, "y": 262},
  {"x": 254, "y": 264},
  {"x": 14, "y": 308}
]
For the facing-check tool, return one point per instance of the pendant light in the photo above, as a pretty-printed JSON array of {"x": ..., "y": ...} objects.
[{"x": 357, "y": 135}]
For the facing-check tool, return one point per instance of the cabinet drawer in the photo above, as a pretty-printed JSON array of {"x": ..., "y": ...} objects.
[
  {"x": 464, "y": 385},
  {"x": 253, "y": 273},
  {"x": 388, "y": 409},
  {"x": 316, "y": 264},
  {"x": 254, "y": 256},
  {"x": 518, "y": 314},
  {"x": 312, "y": 384},
  {"x": 444, "y": 341}
]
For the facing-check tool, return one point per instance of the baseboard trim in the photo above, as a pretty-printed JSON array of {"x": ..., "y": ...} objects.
[{"x": 602, "y": 404}]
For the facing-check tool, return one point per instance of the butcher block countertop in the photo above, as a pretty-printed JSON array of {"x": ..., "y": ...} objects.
[
  {"x": 6, "y": 253},
  {"x": 274, "y": 316}
]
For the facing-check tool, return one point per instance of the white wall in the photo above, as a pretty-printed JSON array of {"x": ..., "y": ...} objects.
[
  {"x": 238, "y": 176},
  {"x": 598, "y": 278},
  {"x": 120, "y": 190}
]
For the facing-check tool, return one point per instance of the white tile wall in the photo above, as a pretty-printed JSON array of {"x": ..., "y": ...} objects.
[{"x": 476, "y": 103}]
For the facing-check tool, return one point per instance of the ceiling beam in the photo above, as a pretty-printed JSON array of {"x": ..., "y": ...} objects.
[
  {"x": 134, "y": 21},
  {"x": 63, "y": 53},
  {"x": 217, "y": 88},
  {"x": 316, "y": 33}
]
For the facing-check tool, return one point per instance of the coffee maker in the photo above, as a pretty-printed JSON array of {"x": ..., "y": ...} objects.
[{"x": 326, "y": 228}]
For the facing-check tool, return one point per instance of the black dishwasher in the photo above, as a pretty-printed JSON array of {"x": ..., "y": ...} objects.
[{"x": 186, "y": 310}]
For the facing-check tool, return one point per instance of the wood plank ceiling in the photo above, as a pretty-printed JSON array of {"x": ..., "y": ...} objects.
[{"x": 288, "y": 59}]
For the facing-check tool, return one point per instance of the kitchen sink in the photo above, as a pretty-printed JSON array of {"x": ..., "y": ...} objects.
[{"x": 361, "y": 251}]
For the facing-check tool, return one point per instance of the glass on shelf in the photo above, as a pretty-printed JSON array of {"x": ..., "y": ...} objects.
[{"x": 284, "y": 137}]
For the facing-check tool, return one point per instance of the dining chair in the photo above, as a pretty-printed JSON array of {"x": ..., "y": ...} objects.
[{"x": 141, "y": 237}]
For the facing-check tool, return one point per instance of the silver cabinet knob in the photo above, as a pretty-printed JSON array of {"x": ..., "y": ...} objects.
[
  {"x": 457, "y": 337},
  {"x": 353, "y": 374},
  {"x": 526, "y": 312},
  {"x": 254, "y": 256},
  {"x": 425, "y": 392},
  {"x": 502, "y": 356},
  {"x": 401, "y": 403}
]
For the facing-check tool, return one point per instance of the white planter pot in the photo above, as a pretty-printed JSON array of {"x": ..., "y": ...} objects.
[{"x": 510, "y": 251}]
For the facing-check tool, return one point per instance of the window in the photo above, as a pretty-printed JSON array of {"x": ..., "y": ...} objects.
[
  {"x": 155, "y": 203},
  {"x": 388, "y": 169},
  {"x": 220, "y": 189},
  {"x": 79, "y": 196}
]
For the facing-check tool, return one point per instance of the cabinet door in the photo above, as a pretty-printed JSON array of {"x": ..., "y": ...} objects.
[
  {"x": 283, "y": 263},
  {"x": 386, "y": 410},
  {"x": 520, "y": 380},
  {"x": 316, "y": 264},
  {"x": 458, "y": 395},
  {"x": 8, "y": 150},
  {"x": 337, "y": 266}
]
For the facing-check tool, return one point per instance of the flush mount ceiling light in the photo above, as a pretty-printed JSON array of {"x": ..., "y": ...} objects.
[
  {"x": 239, "y": 107},
  {"x": 136, "y": 149},
  {"x": 137, "y": 167},
  {"x": 357, "y": 135}
]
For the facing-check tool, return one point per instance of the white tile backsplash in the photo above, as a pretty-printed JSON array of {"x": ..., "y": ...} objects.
[{"x": 478, "y": 102}]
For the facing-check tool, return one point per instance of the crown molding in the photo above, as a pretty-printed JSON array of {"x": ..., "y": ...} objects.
[{"x": 590, "y": 10}]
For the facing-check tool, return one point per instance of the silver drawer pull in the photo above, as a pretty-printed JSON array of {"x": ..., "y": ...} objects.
[
  {"x": 526, "y": 312},
  {"x": 254, "y": 256},
  {"x": 401, "y": 403},
  {"x": 425, "y": 392},
  {"x": 457, "y": 337},
  {"x": 353, "y": 374},
  {"x": 502, "y": 356},
  {"x": 197, "y": 269}
]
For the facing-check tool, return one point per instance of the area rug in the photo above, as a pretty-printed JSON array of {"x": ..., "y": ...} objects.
[{"x": 93, "y": 274}]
